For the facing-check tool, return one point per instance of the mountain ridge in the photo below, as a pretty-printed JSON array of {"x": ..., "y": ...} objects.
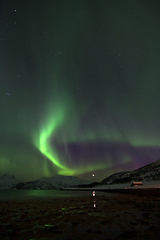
[
  {"x": 58, "y": 182},
  {"x": 149, "y": 172}
]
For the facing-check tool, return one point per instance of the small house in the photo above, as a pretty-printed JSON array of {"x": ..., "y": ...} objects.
[{"x": 134, "y": 184}]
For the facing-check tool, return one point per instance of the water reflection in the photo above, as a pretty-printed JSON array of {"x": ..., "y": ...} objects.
[
  {"x": 94, "y": 201},
  {"x": 30, "y": 194},
  {"x": 53, "y": 194},
  {"x": 94, "y": 194}
]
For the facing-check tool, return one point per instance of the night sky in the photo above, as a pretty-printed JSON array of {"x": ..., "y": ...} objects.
[{"x": 79, "y": 87}]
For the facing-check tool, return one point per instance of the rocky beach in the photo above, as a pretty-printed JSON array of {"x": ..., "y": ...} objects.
[{"x": 125, "y": 214}]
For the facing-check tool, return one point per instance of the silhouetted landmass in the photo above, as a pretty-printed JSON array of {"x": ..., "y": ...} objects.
[{"x": 150, "y": 172}]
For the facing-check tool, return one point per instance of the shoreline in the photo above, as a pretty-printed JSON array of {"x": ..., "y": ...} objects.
[{"x": 133, "y": 191}]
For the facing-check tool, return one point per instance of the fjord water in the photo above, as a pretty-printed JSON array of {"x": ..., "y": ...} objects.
[{"x": 30, "y": 194}]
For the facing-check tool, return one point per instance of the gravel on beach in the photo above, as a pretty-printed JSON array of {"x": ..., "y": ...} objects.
[{"x": 132, "y": 215}]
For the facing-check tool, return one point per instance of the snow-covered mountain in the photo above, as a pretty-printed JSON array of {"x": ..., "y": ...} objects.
[
  {"x": 150, "y": 172},
  {"x": 8, "y": 181},
  {"x": 70, "y": 181},
  {"x": 56, "y": 182},
  {"x": 40, "y": 184}
]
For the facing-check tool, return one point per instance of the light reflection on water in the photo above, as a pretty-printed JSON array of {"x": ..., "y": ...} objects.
[
  {"x": 94, "y": 201},
  {"x": 30, "y": 194},
  {"x": 94, "y": 204}
]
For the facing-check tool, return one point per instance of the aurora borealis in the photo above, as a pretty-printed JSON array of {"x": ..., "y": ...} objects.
[{"x": 79, "y": 87}]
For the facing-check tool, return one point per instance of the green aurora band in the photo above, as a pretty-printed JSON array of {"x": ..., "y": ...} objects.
[
  {"x": 43, "y": 142},
  {"x": 57, "y": 128}
]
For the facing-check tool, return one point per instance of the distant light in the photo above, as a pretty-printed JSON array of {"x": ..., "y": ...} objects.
[{"x": 93, "y": 175}]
